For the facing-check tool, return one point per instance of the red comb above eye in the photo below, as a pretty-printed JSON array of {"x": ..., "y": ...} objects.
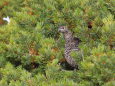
[{"x": 62, "y": 27}]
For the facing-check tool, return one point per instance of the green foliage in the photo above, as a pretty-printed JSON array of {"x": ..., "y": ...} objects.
[{"x": 31, "y": 47}]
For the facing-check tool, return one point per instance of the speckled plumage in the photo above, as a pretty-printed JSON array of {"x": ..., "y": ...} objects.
[{"x": 71, "y": 44}]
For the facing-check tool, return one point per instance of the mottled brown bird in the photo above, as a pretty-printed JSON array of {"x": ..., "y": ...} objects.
[{"x": 71, "y": 44}]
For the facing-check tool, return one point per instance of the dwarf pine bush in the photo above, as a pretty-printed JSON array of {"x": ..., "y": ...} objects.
[{"x": 32, "y": 50}]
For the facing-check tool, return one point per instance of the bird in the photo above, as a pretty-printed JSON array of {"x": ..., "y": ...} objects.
[
  {"x": 71, "y": 44},
  {"x": 7, "y": 19}
]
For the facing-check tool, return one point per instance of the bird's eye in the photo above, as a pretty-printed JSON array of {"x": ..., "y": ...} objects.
[{"x": 62, "y": 27}]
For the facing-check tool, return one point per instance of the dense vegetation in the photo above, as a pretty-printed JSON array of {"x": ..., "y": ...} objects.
[{"x": 31, "y": 47}]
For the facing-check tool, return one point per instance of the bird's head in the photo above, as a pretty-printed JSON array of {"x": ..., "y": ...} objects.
[{"x": 63, "y": 29}]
